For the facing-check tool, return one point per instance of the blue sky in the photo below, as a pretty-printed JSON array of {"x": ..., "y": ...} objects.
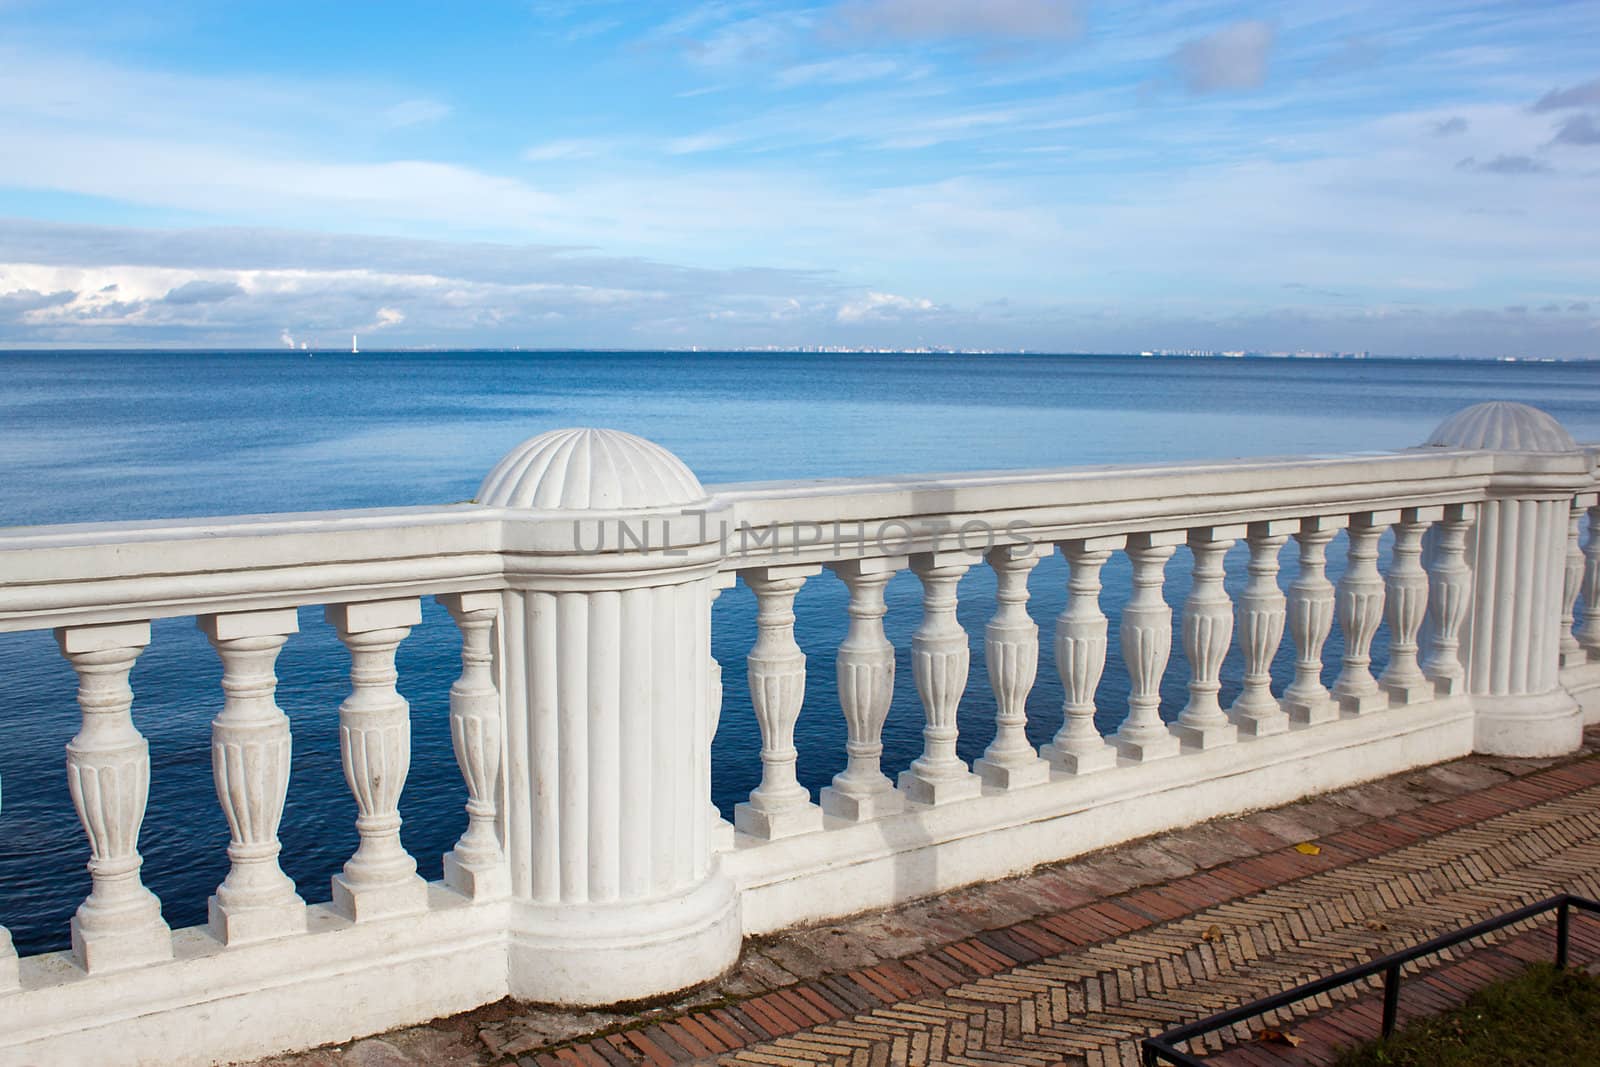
[{"x": 1071, "y": 175}]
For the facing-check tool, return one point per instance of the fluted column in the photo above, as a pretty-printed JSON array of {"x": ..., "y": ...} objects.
[
  {"x": 108, "y": 774},
  {"x": 780, "y": 806},
  {"x": 476, "y": 867},
  {"x": 1262, "y": 610},
  {"x": 1311, "y": 599},
  {"x": 940, "y": 658},
  {"x": 1588, "y": 628},
  {"x": 1572, "y": 653},
  {"x": 1449, "y": 600},
  {"x": 1406, "y": 605},
  {"x": 380, "y": 879},
  {"x": 1146, "y": 634},
  {"x": 1360, "y": 597},
  {"x": 250, "y": 758},
  {"x": 1011, "y": 654},
  {"x": 1080, "y": 646},
  {"x": 1207, "y": 631},
  {"x": 721, "y": 835},
  {"x": 865, "y": 670}
]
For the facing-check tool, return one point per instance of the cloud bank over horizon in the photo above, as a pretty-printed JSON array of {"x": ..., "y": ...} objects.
[{"x": 1058, "y": 175}]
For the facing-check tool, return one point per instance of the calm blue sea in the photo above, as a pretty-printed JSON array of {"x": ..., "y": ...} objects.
[{"x": 131, "y": 435}]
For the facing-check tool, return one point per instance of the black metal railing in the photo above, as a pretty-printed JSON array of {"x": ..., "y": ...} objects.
[{"x": 1164, "y": 1047}]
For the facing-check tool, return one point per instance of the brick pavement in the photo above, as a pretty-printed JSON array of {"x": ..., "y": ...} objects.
[{"x": 1072, "y": 964}]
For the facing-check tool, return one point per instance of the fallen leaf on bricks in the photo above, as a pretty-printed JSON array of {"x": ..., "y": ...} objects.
[
  {"x": 1306, "y": 848},
  {"x": 1213, "y": 933},
  {"x": 1278, "y": 1037},
  {"x": 1374, "y": 924}
]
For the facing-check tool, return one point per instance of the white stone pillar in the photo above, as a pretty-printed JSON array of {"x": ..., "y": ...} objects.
[
  {"x": 612, "y": 552},
  {"x": 1146, "y": 634},
  {"x": 940, "y": 659},
  {"x": 1311, "y": 601},
  {"x": 1588, "y": 628},
  {"x": 1080, "y": 646},
  {"x": 380, "y": 879},
  {"x": 1360, "y": 598},
  {"x": 865, "y": 672},
  {"x": 476, "y": 867},
  {"x": 1405, "y": 606},
  {"x": 1518, "y": 555},
  {"x": 1572, "y": 653},
  {"x": 119, "y": 924},
  {"x": 250, "y": 758},
  {"x": 1207, "y": 631},
  {"x": 1449, "y": 599},
  {"x": 779, "y": 806},
  {"x": 1262, "y": 610},
  {"x": 1011, "y": 654}
]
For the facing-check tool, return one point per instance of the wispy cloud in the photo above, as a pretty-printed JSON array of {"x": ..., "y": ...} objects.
[
  {"x": 1586, "y": 94},
  {"x": 1506, "y": 165},
  {"x": 925, "y": 20},
  {"x": 1581, "y": 130},
  {"x": 415, "y": 113},
  {"x": 1449, "y": 127},
  {"x": 1235, "y": 57}
]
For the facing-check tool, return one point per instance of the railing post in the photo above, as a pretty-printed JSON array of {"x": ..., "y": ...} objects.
[
  {"x": 1360, "y": 596},
  {"x": 1449, "y": 599},
  {"x": 1262, "y": 610},
  {"x": 612, "y": 554},
  {"x": 1406, "y": 606},
  {"x": 1311, "y": 604},
  {"x": 476, "y": 867},
  {"x": 9, "y": 976},
  {"x": 865, "y": 674},
  {"x": 1588, "y": 629},
  {"x": 1563, "y": 933},
  {"x": 1146, "y": 634},
  {"x": 940, "y": 659},
  {"x": 1011, "y": 654},
  {"x": 1207, "y": 632},
  {"x": 1391, "y": 997},
  {"x": 1518, "y": 555},
  {"x": 1572, "y": 652},
  {"x": 1078, "y": 747}
]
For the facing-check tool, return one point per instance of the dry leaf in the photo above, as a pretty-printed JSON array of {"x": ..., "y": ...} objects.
[
  {"x": 1213, "y": 933},
  {"x": 1374, "y": 924},
  {"x": 1278, "y": 1037},
  {"x": 1306, "y": 848}
]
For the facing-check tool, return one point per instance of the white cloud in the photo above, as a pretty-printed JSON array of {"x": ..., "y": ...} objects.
[
  {"x": 882, "y": 306},
  {"x": 571, "y": 148},
  {"x": 920, "y": 20},
  {"x": 1234, "y": 57},
  {"x": 415, "y": 113}
]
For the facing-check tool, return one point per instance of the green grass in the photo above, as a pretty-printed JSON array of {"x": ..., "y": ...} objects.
[{"x": 1541, "y": 1018}]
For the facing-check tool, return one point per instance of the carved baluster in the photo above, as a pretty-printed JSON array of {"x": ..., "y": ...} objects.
[
  {"x": 865, "y": 669},
  {"x": 1311, "y": 598},
  {"x": 1406, "y": 605},
  {"x": 1011, "y": 653},
  {"x": 780, "y": 806},
  {"x": 1207, "y": 631},
  {"x": 1360, "y": 599},
  {"x": 1146, "y": 633},
  {"x": 476, "y": 867},
  {"x": 1572, "y": 651},
  {"x": 940, "y": 659},
  {"x": 1078, "y": 747},
  {"x": 1449, "y": 599},
  {"x": 721, "y": 829},
  {"x": 1262, "y": 609},
  {"x": 375, "y": 744},
  {"x": 108, "y": 774},
  {"x": 250, "y": 756},
  {"x": 1588, "y": 630}
]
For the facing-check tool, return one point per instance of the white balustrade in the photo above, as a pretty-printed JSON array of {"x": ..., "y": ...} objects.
[
  {"x": 380, "y": 879},
  {"x": 1360, "y": 597},
  {"x": 780, "y": 806},
  {"x": 119, "y": 924},
  {"x": 721, "y": 829},
  {"x": 1572, "y": 653},
  {"x": 1406, "y": 605},
  {"x": 1311, "y": 603},
  {"x": 1207, "y": 632},
  {"x": 1262, "y": 610},
  {"x": 476, "y": 867},
  {"x": 940, "y": 658},
  {"x": 250, "y": 758},
  {"x": 1146, "y": 634},
  {"x": 1011, "y": 653},
  {"x": 1080, "y": 646},
  {"x": 865, "y": 670},
  {"x": 1449, "y": 600},
  {"x": 1588, "y": 630}
]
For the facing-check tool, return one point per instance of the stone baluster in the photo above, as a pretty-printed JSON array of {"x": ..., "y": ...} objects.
[
  {"x": 721, "y": 836},
  {"x": 250, "y": 759},
  {"x": 865, "y": 669},
  {"x": 1011, "y": 654},
  {"x": 1261, "y": 614},
  {"x": 1572, "y": 652},
  {"x": 380, "y": 879},
  {"x": 1360, "y": 598},
  {"x": 1080, "y": 649},
  {"x": 119, "y": 925},
  {"x": 940, "y": 658},
  {"x": 476, "y": 867},
  {"x": 1146, "y": 634},
  {"x": 1449, "y": 599},
  {"x": 1311, "y": 600},
  {"x": 780, "y": 806},
  {"x": 1588, "y": 630},
  {"x": 1406, "y": 604},
  {"x": 9, "y": 976},
  {"x": 1207, "y": 632}
]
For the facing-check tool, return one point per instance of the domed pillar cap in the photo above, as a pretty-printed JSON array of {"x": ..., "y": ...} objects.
[
  {"x": 590, "y": 470},
  {"x": 1502, "y": 426}
]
